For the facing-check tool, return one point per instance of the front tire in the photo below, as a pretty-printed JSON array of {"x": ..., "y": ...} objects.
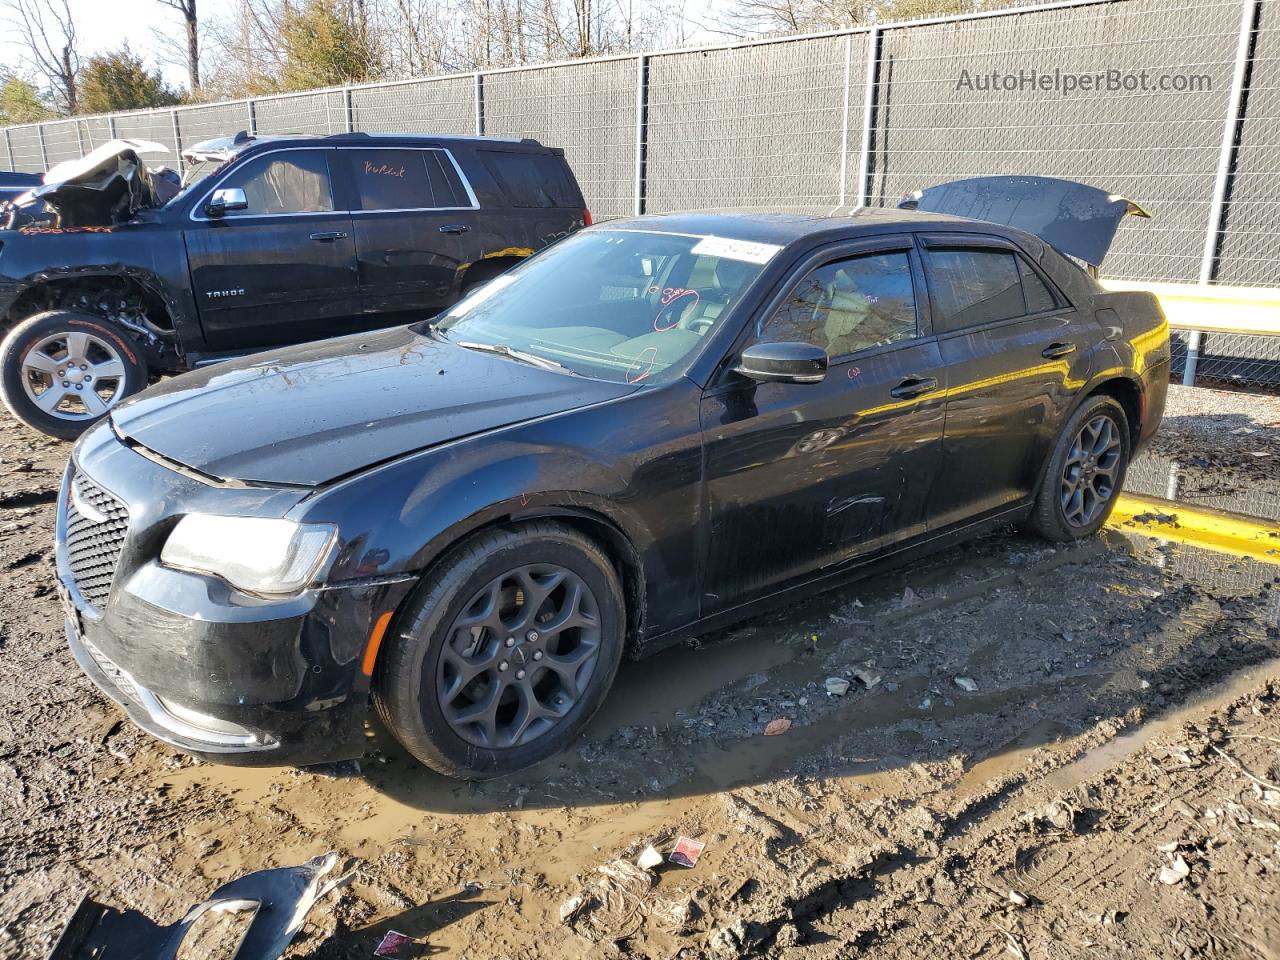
[
  {"x": 504, "y": 652},
  {"x": 1085, "y": 473},
  {"x": 62, "y": 371}
]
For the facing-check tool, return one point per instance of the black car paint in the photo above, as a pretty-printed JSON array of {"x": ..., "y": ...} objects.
[
  {"x": 716, "y": 495},
  {"x": 233, "y": 285}
]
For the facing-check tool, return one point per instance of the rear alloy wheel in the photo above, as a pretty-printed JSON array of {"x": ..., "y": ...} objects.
[
  {"x": 1085, "y": 472},
  {"x": 62, "y": 371},
  {"x": 505, "y": 651}
]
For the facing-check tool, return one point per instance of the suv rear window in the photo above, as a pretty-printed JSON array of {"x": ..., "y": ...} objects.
[
  {"x": 405, "y": 180},
  {"x": 531, "y": 179}
]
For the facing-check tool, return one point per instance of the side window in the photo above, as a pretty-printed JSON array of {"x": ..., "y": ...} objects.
[
  {"x": 975, "y": 286},
  {"x": 1039, "y": 297},
  {"x": 296, "y": 181},
  {"x": 390, "y": 179},
  {"x": 531, "y": 179},
  {"x": 849, "y": 305},
  {"x": 404, "y": 180}
]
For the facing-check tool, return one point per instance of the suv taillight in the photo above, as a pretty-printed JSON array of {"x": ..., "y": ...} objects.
[{"x": 586, "y": 217}]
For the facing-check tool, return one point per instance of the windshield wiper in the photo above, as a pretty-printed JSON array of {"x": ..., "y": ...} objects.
[{"x": 509, "y": 351}]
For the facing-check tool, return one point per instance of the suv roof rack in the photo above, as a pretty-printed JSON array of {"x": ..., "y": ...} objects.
[{"x": 365, "y": 135}]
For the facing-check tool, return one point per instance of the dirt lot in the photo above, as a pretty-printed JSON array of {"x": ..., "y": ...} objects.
[{"x": 1041, "y": 753}]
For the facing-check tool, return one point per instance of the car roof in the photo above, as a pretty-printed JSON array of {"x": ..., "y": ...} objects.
[
  {"x": 787, "y": 228},
  {"x": 244, "y": 142}
]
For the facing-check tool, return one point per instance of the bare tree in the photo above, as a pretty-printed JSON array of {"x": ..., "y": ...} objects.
[
  {"x": 47, "y": 33},
  {"x": 187, "y": 8}
]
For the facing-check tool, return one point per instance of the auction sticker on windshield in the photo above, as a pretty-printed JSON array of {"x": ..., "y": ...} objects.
[{"x": 744, "y": 250}]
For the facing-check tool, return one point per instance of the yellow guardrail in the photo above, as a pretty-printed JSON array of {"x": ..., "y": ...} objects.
[{"x": 1210, "y": 308}]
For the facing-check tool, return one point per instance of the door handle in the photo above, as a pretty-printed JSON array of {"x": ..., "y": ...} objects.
[
  {"x": 455, "y": 228},
  {"x": 1059, "y": 348},
  {"x": 914, "y": 387},
  {"x": 329, "y": 235}
]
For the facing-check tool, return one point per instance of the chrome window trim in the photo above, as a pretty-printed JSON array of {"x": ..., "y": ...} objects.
[{"x": 197, "y": 216}]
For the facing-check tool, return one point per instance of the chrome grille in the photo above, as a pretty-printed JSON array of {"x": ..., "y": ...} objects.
[{"x": 96, "y": 526}]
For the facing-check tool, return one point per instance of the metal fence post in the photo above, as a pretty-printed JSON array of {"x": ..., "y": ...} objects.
[
  {"x": 79, "y": 137},
  {"x": 348, "y": 107},
  {"x": 44, "y": 151},
  {"x": 844, "y": 122},
  {"x": 479, "y": 104},
  {"x": 8, "y": 150},
  {"x": 868, "y": 116},
  {"x": 253, "y": 116},
  {"x": 642, "y": 128},
  {"x": 111, "y": 126},
  {"x": 1230, "y": 133},
  {"x": 177, "y": 138}
]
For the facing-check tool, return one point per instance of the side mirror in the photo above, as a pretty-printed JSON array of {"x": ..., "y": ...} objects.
[
  {"x": 783, "y": 363},
  {"x": 225, "y": 200}
]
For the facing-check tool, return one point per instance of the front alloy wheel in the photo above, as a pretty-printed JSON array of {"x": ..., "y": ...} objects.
[
  {"x": 517, "y": 659},
  {"x": 62, "y": 371},
  {"x": 504, "y": 652}
]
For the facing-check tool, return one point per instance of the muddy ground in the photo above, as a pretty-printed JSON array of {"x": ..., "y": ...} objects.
[{"x": 1042, "y": 752}]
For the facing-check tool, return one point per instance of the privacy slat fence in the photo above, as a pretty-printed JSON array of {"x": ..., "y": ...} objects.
[{"x": 864, "y": 116}]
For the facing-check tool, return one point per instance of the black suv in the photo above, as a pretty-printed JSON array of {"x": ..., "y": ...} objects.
[{"x": 271, "y": 241}]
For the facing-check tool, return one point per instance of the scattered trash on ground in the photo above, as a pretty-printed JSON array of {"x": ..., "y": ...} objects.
[
  {"x": 777, "y": 727},
  {"x": 837, "y": 686},
  {"x": 967, "y": 684},
  {"x": 687, "y": 852},
  {"x": 399, "y": 945},
  {"x": 650, "y": 857}
]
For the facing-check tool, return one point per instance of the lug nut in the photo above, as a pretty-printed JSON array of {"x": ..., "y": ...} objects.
[
  {"x": 531, "y": 636},
  {"x": 87, "y": 378},
  {"x": 519, "y": 674},
  {"x": 502, "y": 666},
  {"x": 511, "y": 641},
  {"x": 62, "y": 373},
  {"x": 84, "y": 366},
  {"x": 537, "y": 655}
]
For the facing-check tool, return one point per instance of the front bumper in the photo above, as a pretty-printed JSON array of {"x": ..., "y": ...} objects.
[{"x": 225, "y": 676}]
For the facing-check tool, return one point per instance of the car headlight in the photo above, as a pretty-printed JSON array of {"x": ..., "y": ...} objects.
[{"x": 255, "y": 554}]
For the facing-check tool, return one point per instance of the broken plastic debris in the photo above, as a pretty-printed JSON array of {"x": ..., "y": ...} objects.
[
  {"x": 867, "y": 677},
  {"x": 569, "y": 908},
  {"x": 909, "y": 598},
  {"x": 397, "y": 945},
  {"x": 1175, "y": 873},
  {"x": 279, "y": 900},
  {"x": 777, "y": 726},
  {"x": 837, "y": 686},
  {"x": 649, "y": 858},
  {"x": 1018, "y": 899},
  {"x": 967, "y": 684},
  {"x": 687, "y": 852}
]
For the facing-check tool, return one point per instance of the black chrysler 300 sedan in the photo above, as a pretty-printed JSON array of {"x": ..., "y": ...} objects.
[{"x": 650, "y": 429}]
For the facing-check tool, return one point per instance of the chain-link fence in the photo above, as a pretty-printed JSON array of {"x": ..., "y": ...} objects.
[{"x": 819, "y": 122}]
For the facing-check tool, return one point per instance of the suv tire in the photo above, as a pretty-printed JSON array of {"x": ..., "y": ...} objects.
[
  {"x": 1085, "y": 473},
  {"x": 476, "y": 681},
  {"x": 65, "y": 356}
]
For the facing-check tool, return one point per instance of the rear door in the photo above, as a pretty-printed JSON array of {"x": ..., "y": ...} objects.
[
  {"x": 283, "y": 270},
  {"x": 804, "y": 477},
  {"x": 415, "y": 217},
  {"x": 1016, "y": 351}
]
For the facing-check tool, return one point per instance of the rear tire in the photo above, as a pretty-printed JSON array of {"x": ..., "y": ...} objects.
[
  {"x": 504, "y": 652},
  {"x": 62, "y": 371},
  {"x": 1085, "y": 473}
]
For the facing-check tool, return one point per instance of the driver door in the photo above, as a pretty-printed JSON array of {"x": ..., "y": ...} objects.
[
  {"x": 284, "y": 269},
  {"x": 802, "y": 478}
]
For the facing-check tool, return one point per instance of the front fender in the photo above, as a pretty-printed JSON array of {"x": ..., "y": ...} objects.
[{"x": 643, "y": 481}]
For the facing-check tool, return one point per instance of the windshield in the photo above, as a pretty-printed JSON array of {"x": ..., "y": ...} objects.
[
  {"x": 195, "y": 174},
  {"x": 621, "y": 305}
]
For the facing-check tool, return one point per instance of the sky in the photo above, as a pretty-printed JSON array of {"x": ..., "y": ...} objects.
[{"x": 106, "y": 24}]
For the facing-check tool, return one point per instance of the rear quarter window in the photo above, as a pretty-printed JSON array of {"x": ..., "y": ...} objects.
[{"x": 531, "y": 179}]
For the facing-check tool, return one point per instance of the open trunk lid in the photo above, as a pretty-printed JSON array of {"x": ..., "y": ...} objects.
[{"x": 1074, "y": 218}]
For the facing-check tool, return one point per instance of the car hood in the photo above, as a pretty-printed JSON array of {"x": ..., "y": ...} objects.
[
  {"x": 309, "y": 414},
  {"x": 108, "y": 185},
  {"x": 1073, "y": 218}
]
